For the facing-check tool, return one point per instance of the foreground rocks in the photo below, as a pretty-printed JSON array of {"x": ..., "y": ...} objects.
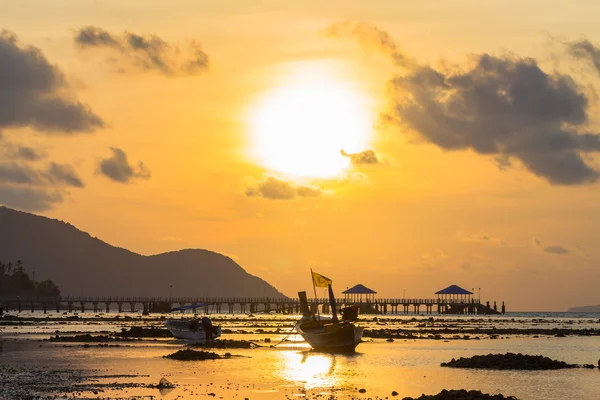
[
  {"x": 126, "y": 335},
  {"x": 465, "y": 333},
  {"x": 226, "y": 344},
  {"x": 164, "y": 383},
  {"x": 509, "y": 361},
  {"x": 462, "y": 395},
  {"x": 141, "y": 332},
  {"x": 87, "y": 338},
  {"x": 193, "y": 355}
]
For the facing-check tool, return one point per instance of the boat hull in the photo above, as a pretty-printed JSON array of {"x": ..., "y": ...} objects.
[
  {"x": 331, "y": 338},
  {"x": 187, "y": 330}
]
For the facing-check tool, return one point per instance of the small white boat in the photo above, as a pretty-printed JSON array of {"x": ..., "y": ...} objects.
[
  {"x": 191, "y": 329},
  {"x": 198, "y": 330}
]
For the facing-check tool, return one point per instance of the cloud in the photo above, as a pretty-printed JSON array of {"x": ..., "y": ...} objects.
[
  {"x": 502, "y": 107},
  {"x": 28, "y": 188},
  {"x": 29, "y": 198},
  {"x": 145, "y": 53},
  {"x": 587, "y": 51},
  {"x": 369, "y": 35},
  {"x": 15, "y": 173},
  {"x": 503, "y": 162},
  {"x": 506, "y": 107},
  {"x": 551, "y": 249},
  {"x": 27, "y": 153},
  {"x": 354, "y": 177},
  {"x": 367, "y": 157},
  {"x": 118, "y": 169},
  {"x": 64, "y": 174},
  {"x": 31, "y": 92},
  {"x": 555, "y": 249},
  {"x": 479, "y": 238},
  {"x": 275, "y": 189},
  {"x": 19, "y": 173}
]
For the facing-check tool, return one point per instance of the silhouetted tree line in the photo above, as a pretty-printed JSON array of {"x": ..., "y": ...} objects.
[{"x": 15, "y": 281}]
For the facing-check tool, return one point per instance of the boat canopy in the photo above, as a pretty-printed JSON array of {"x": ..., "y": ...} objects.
[{"x": 190, "y": 307}]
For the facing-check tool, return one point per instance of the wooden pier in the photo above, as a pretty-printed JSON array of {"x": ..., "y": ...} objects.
[{"x": 233, "y": 305}]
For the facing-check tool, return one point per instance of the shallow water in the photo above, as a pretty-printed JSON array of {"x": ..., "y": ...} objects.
[{"x": 409, "y": 367}]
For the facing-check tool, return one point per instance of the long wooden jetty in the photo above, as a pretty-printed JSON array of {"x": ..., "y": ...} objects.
[{"x": 232, "y": 305}]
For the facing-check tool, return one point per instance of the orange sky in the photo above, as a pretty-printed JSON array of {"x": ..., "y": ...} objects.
[{"x": 241, "y": 151}]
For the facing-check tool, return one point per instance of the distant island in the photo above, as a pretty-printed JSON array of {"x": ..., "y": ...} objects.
[
  {"x": 83, "y": 265},
  {"x": 585, "y": 309}
]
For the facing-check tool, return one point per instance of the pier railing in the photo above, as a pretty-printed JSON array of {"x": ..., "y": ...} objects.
[
  {"x": 286, "y": 305},
  {"x": 224, "y": 300}
]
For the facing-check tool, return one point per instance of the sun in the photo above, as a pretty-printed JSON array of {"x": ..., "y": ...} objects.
[{"x": 300, "y": 127}]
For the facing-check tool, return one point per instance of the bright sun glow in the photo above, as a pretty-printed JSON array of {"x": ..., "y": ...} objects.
[{"x": 300, "y": 127}]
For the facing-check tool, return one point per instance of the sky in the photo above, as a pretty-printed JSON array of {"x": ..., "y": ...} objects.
[{"x": 406, "y": 146}]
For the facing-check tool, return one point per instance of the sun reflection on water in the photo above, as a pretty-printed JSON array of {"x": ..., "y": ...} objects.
[{"x": 310, "y": 370}]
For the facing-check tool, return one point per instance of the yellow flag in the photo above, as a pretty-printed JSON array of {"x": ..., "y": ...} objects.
[{"x": 320, "y": 280}]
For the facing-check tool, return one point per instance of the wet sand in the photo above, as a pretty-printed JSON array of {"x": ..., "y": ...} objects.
[{"x": 130, "y": 367}]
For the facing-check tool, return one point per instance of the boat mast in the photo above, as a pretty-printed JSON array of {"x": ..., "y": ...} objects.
[
  {"x": 333, "y": 304},
  {"x": 315, "y": 290}
]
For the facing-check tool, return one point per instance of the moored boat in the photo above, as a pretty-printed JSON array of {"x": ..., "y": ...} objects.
[
  {"x": 198, "y": 330},
  {"x": 329, "y": 334}
]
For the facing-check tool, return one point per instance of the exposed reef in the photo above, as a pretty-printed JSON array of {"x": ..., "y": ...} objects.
[
  {"x": 511, "y": 361},
  {"x": 461, "y": 395}
]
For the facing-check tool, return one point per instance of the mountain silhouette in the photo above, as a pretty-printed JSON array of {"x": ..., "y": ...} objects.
[{"x": 83, "y": 265}]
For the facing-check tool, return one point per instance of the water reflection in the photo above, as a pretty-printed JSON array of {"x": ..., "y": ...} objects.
[{"x": 309, "y": 368}]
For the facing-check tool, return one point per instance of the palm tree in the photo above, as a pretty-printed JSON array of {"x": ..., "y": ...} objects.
[{"x": 20, "y": 269}]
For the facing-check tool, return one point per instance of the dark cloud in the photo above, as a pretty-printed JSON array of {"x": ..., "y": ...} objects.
[
  {"x": 586, "y": 50},
  {"x": 18, "y": 174},
  {"x": 197, "y": 59},
  {"x": 118, "y": 169},
  {"x": 367, "y": 157},
  {"x": 503, "y": 162},
  {"x": 27, "y": 153},
  {"x": 148, "y": 52},
  {"x": 28, "y": 188},
  {"x": 275, "y": 189},
  {"x": 502, "y": 106},
  {"x": 94, "y": 36},
  {"x": 559, "y": 250},
  {"x": 31, "y": 92},
  {"x": 60, "y": 173},
  {"x": 29, "y": 198}
]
